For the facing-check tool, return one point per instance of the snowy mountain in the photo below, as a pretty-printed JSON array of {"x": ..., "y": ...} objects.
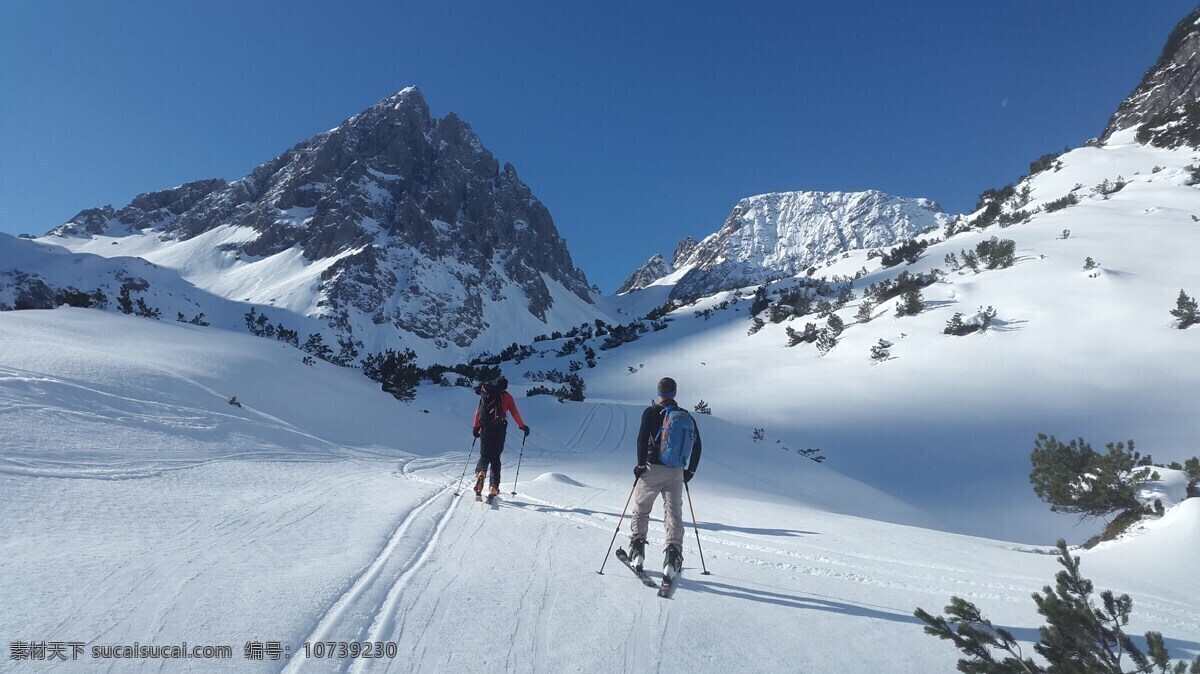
[
  {"x": 394, "y": 229},
  {"x": 654, "y": 269},
  {"x": 779, "y": 235},
  {"x": 320, "y": 509}
]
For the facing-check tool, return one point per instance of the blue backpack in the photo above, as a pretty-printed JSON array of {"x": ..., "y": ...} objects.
[{"x": 677, "y": 437}]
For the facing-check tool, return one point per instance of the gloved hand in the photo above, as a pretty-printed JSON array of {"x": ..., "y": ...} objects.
[
  {"x": 688, "y": 475},
  {"x": 525, "y": 429},
  {"x": 638, "y": 471},
  {"x": 475, "y": 431}
]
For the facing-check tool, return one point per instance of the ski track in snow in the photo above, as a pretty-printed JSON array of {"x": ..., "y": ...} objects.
[{"x": 363, "y": 611}]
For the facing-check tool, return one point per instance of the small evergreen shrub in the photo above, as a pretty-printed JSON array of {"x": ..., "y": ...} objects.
[
  {"x": 908, "y": 252},
  {"x": 1185, "y": 311},
  {"x": 396, "y": 372},
  {"x": 1062, "y": 202},
  {"x": 864, "y": 311},
  {"x": 1107, "y": 188},
  {"x": 879, "y": 352},
  {"x": 911, "y": 303},
  {"x": 996, "y": 253}
]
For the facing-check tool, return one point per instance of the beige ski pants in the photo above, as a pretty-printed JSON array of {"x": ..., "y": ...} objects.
[{"x": 665, "y": 480}]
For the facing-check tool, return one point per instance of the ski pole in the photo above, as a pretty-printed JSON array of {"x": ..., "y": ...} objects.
[
  {"x": 696, "y": 527},
  {"x": 614, "y": 538},
  {"x": 514, "y": 491},
  {"x": 471, "y": 453}
]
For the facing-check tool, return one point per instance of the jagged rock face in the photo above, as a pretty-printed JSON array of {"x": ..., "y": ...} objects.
[
  {"x": 151, "y": 210},
  {"x": 426, "y": 223},
  {"x": 773, "y": 236},
  {"x": 683, "y": 249},
  {"x": 1170, "y": 84},
  {"x": 655, "y": 268}
]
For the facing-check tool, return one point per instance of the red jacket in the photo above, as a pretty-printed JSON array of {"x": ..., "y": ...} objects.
[{"x": 510, "y": 407}]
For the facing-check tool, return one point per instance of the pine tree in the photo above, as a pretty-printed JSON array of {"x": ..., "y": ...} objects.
[
  {"x": 810, "y": 333},
  {"x": 1073, "y": 478},
  {"x": 971, "y": 260},
  {"x": 703, "y": 408},
  {"x": 396, "y": 372},
  {"x": 864, "y": 311},
  {"x": 793, "y": 337},
  {"x": 911, "y": 302},
  {"x": 835, "y": 325},
  {"x": 955, "y": 326},
  {"x": 760, "y": 301},
  {"x": 144, "y": 310},
  {"x": 1078, "y": 637},
  {"x": 756, "y": 324},
  {"x": 98, "y": 299},
  {"x": 845, "y": 296},
  {"x": 347, "y": 351},
  {"x": 315, "y": 344},
  {"x": 825, "y": 342},
  {"x": 124, "y": 302},
  {"x": 252, "y": 321},
  {"x": 779, "y": 312},
  {"x": 1089, "y": 264},
  {"x": 1185, "y": 311},
  {"x": 988, "y": 315}
]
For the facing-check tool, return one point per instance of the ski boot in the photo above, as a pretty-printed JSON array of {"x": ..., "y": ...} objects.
[
  {"x": 479, "y": 477},
  {"x": 637, "y": 553},
  {"x": 672, "y": 561}
]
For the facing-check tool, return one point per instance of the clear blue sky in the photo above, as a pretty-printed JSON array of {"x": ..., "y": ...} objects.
[{"x": 637, "y": 123}]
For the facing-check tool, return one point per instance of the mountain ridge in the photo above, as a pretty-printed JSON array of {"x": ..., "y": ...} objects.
[{"x": 427, "y": 231}]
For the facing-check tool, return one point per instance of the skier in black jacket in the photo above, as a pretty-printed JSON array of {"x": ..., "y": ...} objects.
[{"x": 656, "y": 477}]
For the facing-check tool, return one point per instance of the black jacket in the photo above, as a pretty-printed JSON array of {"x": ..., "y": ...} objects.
[{"x": 647, "y": 438}]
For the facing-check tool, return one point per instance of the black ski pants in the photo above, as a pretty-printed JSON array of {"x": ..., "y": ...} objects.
[{"x": 491, "y": 445}]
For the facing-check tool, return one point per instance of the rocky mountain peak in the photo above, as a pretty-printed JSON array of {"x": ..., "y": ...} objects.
[
  {"x": 777, "y": 235},
  {"x": 683, "y": 249},
  {"x": 654, "y": 269},
  {"x": 425, "y": 225},
  {"x": 1167, "y": 87}
]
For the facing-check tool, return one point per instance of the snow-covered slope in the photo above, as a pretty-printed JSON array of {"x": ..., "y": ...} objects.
[
  {"x": 1071, "y": 352},
  {"x": 323, "y": 510}
]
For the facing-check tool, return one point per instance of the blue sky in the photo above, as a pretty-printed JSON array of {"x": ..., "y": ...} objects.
[{"x": 637, "y": 123}]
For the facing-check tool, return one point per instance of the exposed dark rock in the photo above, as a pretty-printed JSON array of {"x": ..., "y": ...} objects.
[
  {"x": 655, "y": 268},
  {"x": 1172, "y": 83}
]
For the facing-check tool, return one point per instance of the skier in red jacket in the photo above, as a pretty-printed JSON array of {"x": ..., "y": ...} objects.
[{"x": 490, "y": 426}]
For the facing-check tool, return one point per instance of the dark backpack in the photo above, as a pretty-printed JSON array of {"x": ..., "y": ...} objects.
[{"x": 491, "y": 406}]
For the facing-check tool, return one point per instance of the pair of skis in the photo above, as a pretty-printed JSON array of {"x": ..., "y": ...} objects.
[{"x": 668, "y": 582}]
